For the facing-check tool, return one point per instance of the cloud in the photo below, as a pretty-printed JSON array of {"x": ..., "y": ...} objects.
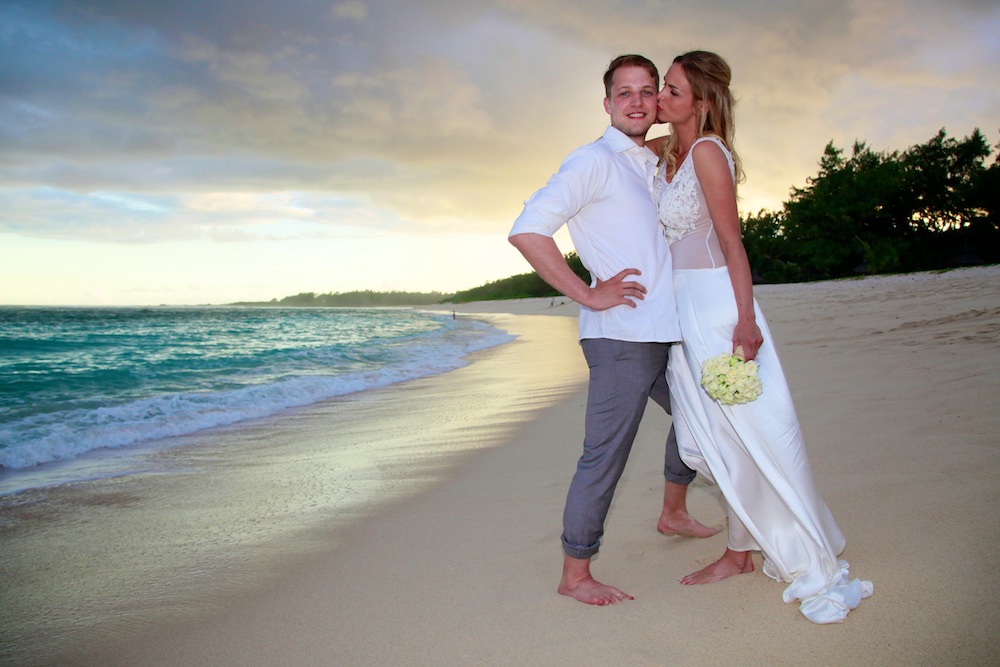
[
  {"x": 355, "y": 11},
  {"x": 429, "y": 117}
]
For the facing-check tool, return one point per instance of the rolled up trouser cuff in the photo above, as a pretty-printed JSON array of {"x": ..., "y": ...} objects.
[
  {"x": 581, "y": 553},
  {"x": 674, "y": 468}
]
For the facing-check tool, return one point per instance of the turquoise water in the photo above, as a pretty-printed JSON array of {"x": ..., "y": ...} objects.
[
  {"x": 110, "y": 525},
  {"x": 74, "y": 380}
]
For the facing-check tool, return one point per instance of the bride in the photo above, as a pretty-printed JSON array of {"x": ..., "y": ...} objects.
[{"x": 753, "y": 451}]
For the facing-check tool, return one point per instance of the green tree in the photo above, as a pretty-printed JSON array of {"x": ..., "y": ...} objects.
[
  {"x": 880, "y": 212},
  {"x": 848, "y": 200},
  {"x": 764, "y": 240},
  {"x": 947, "y": 181},
  {"x": 982, "y": 236},
  {"x": 521, "y": 286},
  {"x": 941, "y": 176}
]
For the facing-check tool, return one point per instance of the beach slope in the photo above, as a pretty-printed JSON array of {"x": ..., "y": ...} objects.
[{"x": 896, "y": 383}]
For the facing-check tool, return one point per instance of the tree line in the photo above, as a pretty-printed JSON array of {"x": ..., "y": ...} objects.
[
  {"x": 932, "y": 206},
  {"x": 521, "y": 286},
  {"x": 935, "y": 205},
  {"x": 359, "y": 299}
]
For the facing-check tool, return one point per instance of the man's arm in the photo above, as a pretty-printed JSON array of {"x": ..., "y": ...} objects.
[{"x": 544, "y": 256}]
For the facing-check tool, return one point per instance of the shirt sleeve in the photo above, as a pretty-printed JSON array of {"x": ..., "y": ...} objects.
[{"x": 580, "y": 179}]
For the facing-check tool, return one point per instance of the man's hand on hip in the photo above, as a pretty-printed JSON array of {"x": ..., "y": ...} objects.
[{"x": 616, "y": 291}]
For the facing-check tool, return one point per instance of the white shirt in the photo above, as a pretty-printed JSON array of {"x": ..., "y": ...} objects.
[{"x": 602, "y": 192}]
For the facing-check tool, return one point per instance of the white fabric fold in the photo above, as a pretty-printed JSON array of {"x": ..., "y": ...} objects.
[{"x": 756, "y": 455}]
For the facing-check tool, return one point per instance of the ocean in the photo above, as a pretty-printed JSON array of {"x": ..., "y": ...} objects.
[
  {"x": 162, "y": 463},
  {"x": 80, "y": 380}
]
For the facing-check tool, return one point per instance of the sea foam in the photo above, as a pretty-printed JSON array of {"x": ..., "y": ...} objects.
[{"x": 276, "y": 360}]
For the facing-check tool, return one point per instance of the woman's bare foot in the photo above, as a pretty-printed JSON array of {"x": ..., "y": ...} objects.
[
  {"x": 578, "y": 584},
  {"x": 731, "y": 563}
]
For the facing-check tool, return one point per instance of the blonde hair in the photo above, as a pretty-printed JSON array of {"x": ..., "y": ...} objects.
[{"x": 709, "y": 76}]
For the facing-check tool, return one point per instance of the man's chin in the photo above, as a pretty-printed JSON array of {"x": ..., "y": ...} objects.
[{"x": 637, "y": 130}]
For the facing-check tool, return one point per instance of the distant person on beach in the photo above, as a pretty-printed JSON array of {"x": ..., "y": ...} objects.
[
  {"x": 753, "y": 450},
  {"x": 602, "y": 193}
]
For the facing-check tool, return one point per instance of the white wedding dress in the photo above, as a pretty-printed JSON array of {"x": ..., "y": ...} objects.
[{"x": 753, "y": 451}]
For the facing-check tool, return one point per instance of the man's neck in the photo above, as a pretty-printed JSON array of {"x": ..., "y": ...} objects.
[{"x": 639, "y": 141}]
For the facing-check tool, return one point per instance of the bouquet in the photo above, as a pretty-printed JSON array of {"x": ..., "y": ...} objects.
[{"x": 729, "y": 379}]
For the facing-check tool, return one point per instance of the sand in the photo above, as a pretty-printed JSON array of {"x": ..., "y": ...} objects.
[{"x": 896, "y": 383}]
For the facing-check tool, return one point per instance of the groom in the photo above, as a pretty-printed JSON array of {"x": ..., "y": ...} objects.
[{"x": 601, "y": 193}]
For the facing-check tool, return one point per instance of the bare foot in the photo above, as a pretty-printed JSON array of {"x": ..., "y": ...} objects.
[
  {"x": 591, "y": 591},
  {"x": 683, "y": 524},
  {"x": 578, "y": 583},
  {"x": 674, "y": 517},
  {"x": 731, "y": 563}
]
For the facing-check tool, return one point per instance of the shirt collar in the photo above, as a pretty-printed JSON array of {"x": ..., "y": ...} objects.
[{"x": 622, "y": 143}]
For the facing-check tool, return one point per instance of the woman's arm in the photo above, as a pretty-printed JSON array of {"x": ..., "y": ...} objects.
[{"x": 712, "y": 168}]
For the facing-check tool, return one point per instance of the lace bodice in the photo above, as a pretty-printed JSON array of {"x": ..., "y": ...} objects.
[{"x": 684, "y": 218}]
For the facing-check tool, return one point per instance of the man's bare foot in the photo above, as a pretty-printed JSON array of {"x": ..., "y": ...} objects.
[
  {"x": 683, "y": 524},
  {"x": 591, "y": 591},
  {"x": 731, "y": 563},
  {"x": 674, "y": 517},
  {"x": 578, "y": 583}
]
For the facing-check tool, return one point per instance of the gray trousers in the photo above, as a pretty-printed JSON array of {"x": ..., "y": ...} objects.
[{"x": 623, "y": 376}]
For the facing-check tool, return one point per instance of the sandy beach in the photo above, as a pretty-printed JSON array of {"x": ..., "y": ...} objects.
[{"x": 896, "y": 385}]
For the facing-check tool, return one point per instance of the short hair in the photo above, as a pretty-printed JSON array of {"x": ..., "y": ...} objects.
[{"x": 629, "y": 60}]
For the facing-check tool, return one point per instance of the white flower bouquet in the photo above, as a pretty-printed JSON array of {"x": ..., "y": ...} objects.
[{"x": 729, "y": 379}]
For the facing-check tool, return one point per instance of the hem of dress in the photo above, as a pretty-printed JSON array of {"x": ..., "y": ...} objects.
[{"x": 835, "y": 601}]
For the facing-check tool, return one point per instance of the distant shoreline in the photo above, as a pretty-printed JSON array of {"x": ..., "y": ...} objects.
[
  {"x": 558, "y": 299},
  {"x": 275, "y": 303}
]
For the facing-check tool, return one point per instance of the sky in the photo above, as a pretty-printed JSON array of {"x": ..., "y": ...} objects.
[{"x": 213, "y": 151}]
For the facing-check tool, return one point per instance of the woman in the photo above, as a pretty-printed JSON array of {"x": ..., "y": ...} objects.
[{"x": 753, "y": 451}]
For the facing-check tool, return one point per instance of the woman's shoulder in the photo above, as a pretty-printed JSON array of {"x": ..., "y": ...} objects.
[
  {"x": 711, "y": 144},
  {"x": 711, "y": 152}
]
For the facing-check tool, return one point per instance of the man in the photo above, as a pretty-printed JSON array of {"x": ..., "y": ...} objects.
[{"x": 602, "y": 193}]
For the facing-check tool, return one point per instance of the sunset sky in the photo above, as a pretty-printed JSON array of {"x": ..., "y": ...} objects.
[{"x": 211, "y": 151}]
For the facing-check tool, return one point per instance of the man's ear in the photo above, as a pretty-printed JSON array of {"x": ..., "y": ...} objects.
[{"x": 607, "y": 106}]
